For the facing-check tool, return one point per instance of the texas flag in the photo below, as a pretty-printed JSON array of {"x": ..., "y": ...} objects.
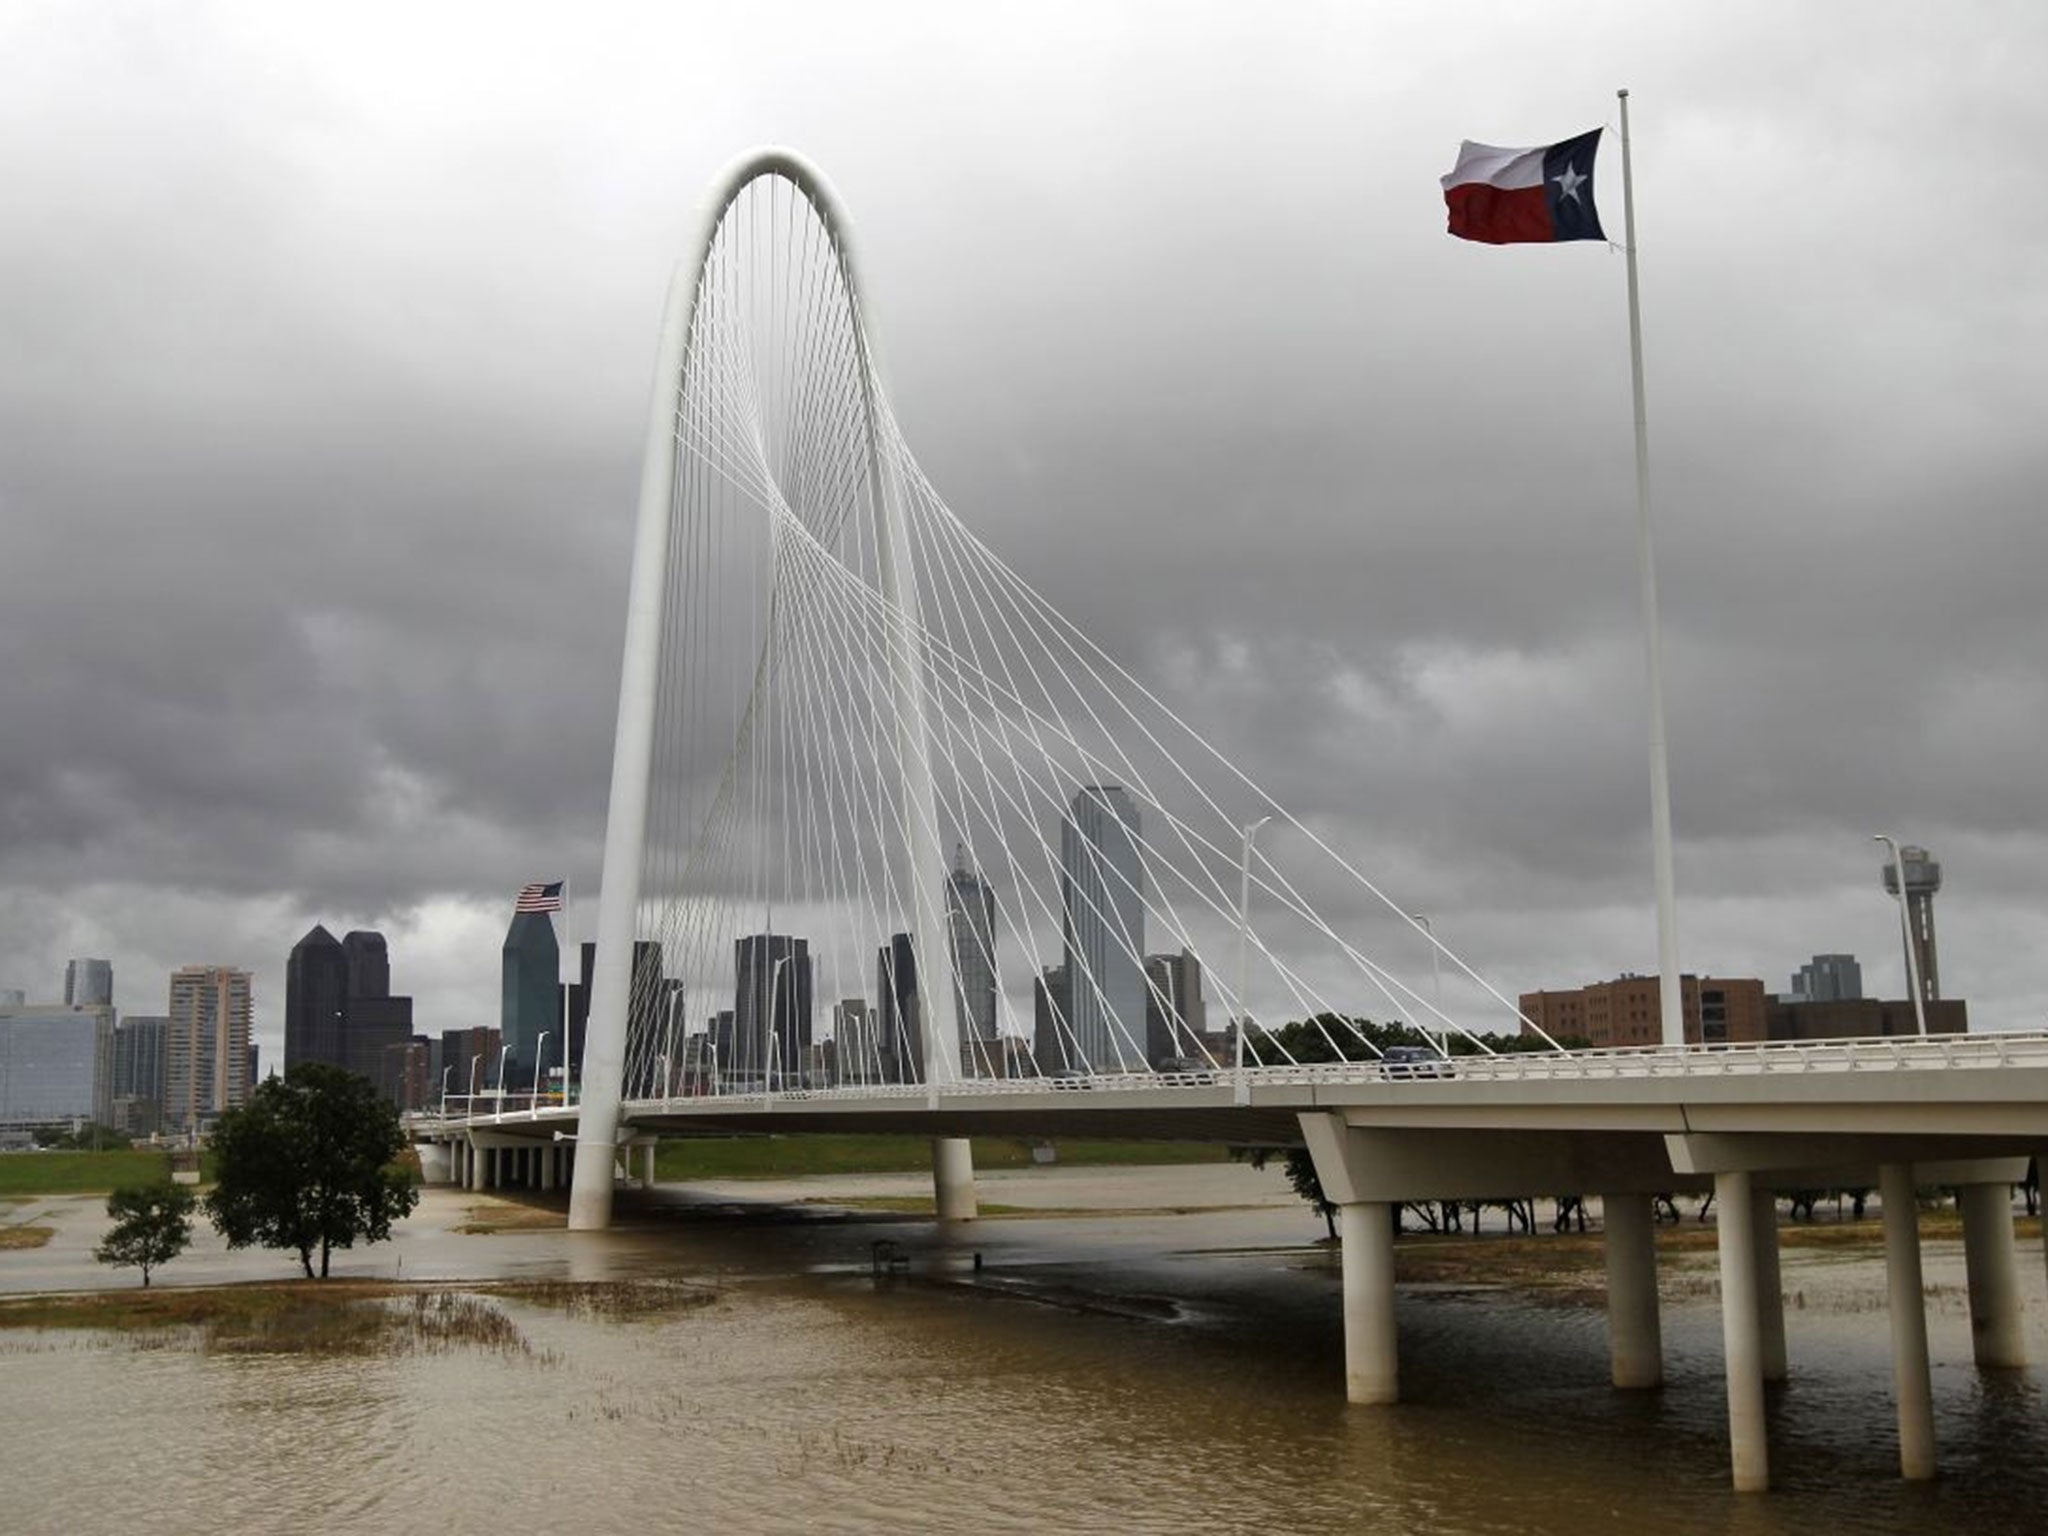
[{"x": 1517, "y": 196}]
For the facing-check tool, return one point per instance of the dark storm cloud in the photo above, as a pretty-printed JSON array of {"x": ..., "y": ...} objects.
[{"x": 326, "y": 360}]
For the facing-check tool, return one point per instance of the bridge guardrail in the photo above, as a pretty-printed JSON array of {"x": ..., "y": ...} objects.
[{"x": 1893, "y": 1053}]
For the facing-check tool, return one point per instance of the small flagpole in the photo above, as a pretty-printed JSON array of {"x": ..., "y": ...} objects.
[
  {"x": 562, "y": 989},
  {"x": 1671, "y": 1003}
]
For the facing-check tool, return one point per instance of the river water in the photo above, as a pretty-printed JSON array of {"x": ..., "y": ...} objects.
[{"x": 1153, "y": 1373}]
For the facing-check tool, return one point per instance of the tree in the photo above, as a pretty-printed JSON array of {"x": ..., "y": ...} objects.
[
  {"x": 310, "y": 1164},
  {"x": 152, "y": 1225}
]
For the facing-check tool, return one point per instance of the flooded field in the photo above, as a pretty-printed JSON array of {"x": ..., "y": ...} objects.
[{"x": 1083, "y": 1371}]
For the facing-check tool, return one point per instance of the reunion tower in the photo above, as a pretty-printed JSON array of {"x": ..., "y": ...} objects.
[{"x": 1923, "y": 879}]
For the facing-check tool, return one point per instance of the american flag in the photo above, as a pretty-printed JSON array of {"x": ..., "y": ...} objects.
[{"x": 541, "y": 896}]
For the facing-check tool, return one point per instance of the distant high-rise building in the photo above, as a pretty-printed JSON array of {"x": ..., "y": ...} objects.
[
  {"x": 1828, "y": 979},
  {"x": 369, "y": 963},
  {"x": 859, "y": 1058},
  {"x": 1923, "y": 879},
  {"x": 88, "y": 983},
  {"x": 1102, "y": 902},
  {"x": 771, "y": 1007},
  {"x": 530, "y": 1001},
  {"x": 971, "y": 926},
  {"x": 469, "y": 1060},
  {"x": 898, "y": 1011},
  {"x": 402, "y": 1074},
  {"x": 648, "y": 993},
  {"x": 138, "y": 1089},
  {"x": 1175, "y": 1015},
  {"x": 206, "y": 1043},
  {"x": 56, "y": 1063},
  {"x": 720, "y": 1043},
  {"x": 316, "y": 1001},
  {"x": 1051, "y": 1039}
]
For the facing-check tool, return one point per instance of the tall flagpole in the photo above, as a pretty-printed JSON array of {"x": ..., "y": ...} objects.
[{"x": 1671, "y": 1003}]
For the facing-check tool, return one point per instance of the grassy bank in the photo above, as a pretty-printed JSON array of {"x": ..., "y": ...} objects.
[
  {"x": 788, "y": 1157},
  {"x": 79, "y": 1173}
]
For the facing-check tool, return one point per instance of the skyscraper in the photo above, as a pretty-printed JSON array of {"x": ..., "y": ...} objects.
[
  {"x": 373, "y": 1021},
  {"x": 88, "y": 983},
  {"x": 206, "y": 1044},
  {"x": 1175, "y": 1014},
  {"x": 315, "y": 1001},
  {"x": 898, "y": 1021},
  {"x": 138, "y": 1090},
  {"x": 1102, "y": 901},
  {"x": 859, "y": 1058},
  {"x": 971, "y": 925},
  {"x": 369, "y": 963},
  {"x": 530, "y": 998},
  {"x": 1051, "y": 1045},
  {"x": 771, "y": 1007}
]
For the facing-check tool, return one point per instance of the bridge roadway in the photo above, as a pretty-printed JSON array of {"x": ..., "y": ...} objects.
[{"x": 1962, "y": 1111}]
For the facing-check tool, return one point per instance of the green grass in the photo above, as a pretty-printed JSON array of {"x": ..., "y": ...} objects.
[
  {"x": 79, "y": 1173},
  {"x": 782, "y": 1157}
]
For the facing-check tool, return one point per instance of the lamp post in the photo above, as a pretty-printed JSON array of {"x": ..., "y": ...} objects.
[
  {"x": 1249, "y": 831},
  {"x": 1906, "y": 932},
  {"x": 774, "y": 1035},
  {"x": 444, "y": 1088},
  {"x": 503, "y": 1053},
  {"x": 469, "y": 1109},
  {"x": 1436, "y": 983},
  {"x": 540, "y": 1055}
]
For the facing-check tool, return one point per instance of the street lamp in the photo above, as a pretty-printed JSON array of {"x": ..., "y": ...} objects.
[
  {"x": 469, "y": 1109},
  {"x": 502, "y": 1055},
  {"x": 1906, "y": 932},
  {"x": 774, "y": 1035},
  {"x": 1436, "y": 979},
  {"x": 1244, "y": 929},
  {"x": 539, "y": 1055},
  {"x": 444, "y": 1088}
]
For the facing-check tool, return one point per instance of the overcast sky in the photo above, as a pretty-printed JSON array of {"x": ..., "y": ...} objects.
[{"x": 323, "y": 362}]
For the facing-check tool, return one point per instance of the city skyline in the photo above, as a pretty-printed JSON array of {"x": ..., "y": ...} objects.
[{"x": 1421, "y": 640}]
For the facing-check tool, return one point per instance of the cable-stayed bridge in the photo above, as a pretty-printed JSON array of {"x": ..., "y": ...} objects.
[{"x": 893, "y": 845}]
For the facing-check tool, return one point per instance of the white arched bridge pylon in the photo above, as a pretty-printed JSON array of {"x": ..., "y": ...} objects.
[{"x": 882, "y": 820}]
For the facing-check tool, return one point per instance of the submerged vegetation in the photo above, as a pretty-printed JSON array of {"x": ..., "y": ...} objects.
[{"x": 339, "y": 1318}]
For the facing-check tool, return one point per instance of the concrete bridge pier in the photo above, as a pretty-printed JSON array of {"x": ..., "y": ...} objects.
[
  {"x": 1996, "y": 1336},
  {"x": 1742, "y": 1332},
  {"x": 1372, "y": 1354},
  {"x": 1912, "y": 1383},
  {"x": 953, "y": 1193},
  {"x": 473, "y": 1156},
  {"x": 1770, "y": 1283},
  {"x": 1634, "y": 1330}
]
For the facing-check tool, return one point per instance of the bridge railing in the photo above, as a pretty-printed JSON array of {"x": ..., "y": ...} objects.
[
  {"x": 1890, "y": 1053},
  {"x": 1874, "y": 1054}
]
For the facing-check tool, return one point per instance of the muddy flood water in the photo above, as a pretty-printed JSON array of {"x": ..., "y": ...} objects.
[{"x": 1156, "y": 1372}]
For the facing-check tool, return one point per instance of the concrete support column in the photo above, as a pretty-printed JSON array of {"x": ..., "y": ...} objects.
[
  {"x": 1996, "y": 1336},
  {"x": 1741, "y": 1337},
  {"x": 473, "y": 1158},
  {"x": 953, "y": 1195},
  {"x": 1634, "y": 1333},
  {"x": 1372, "y": 1357},
  {"x": 1911, "y": 1382},
  {"x": 647, "y": 1166},
  {"x": 1770, "y": 1284},
  {"x": 547, "y": 1168}
]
